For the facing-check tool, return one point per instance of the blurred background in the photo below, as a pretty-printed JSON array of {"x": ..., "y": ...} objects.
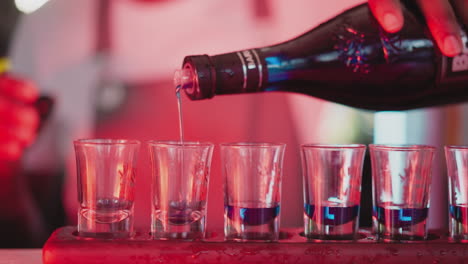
[{"x": 109, "y": 66}]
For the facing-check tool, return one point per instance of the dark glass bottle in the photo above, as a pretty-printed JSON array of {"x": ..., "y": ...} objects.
[{"x": 349, "y": 59}]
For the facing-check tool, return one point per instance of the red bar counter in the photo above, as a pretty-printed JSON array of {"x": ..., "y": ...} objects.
[{"x": 65, "y": 247}]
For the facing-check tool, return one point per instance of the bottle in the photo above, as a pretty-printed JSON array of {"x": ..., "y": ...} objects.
[{"x": 349, "y": 59}]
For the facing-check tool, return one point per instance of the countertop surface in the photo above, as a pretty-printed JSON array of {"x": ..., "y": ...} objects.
[{"x": 21, "y": 256}]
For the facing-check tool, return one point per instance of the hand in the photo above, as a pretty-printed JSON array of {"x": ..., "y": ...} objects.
[
  {"x": 440, "y": 17},
  {"x": 18, "y": 117}
]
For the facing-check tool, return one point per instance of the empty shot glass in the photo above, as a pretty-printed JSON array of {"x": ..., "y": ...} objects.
[
  {"x": 332, "y": 190},
  {"x": 252, "y": 190},
  {"x": 180, "y": 178},
  {"x": 457, "y": 170},
  {"x": 106, "y": 170},
  {"x": 401, "y": 179}
]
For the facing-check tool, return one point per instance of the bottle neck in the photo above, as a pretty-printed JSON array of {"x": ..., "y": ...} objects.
[
  {"x": 197, "y": 77},
  {"x": 237, "y": 72}
]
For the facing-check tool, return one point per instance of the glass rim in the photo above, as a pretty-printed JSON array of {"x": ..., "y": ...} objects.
[
  {"x": 333, "y": 146},
  {"x": 456, "y": 147},
  {"x": 401, "y": 147},
  {"x": 253, "y": 144},
  {"x": 176, "y": 143},
  {"x": 105, "y": 141}
]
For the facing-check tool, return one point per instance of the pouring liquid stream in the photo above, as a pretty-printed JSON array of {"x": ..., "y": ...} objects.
[
  {"x": 181, "y": 127},
  {"x": 181, "y": 120},
  {"x": 181, "y": 80}
]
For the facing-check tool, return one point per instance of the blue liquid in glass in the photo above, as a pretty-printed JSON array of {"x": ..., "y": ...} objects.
[
  {"x": 402, "y": 217},
  {"x": 333, "y": 215},
  {"x": 252, "y": 216},
  {"x": 459, "y": 222},
  {"x": 459, "y": 213}
]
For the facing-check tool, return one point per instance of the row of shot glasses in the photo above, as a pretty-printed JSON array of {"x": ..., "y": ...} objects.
[{"x": 252, "y": 172}]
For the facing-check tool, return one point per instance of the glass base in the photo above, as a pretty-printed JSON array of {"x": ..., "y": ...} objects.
[
  {"x": 95, "y": 224},
  {"x": 252, "y": 237}
]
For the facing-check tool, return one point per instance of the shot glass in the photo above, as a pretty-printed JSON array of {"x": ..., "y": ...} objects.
[
  {"x": 252, "y": 190},
  {"x": 180, "y": 178},
  {"x": 106, "y": 170},
  {"x": 401, "y": 179},
  {"x": 457, "y": 170},
  {"x": 332, "y": 190}
]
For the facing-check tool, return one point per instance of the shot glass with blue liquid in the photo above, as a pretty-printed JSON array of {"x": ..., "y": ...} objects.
[
  {"x": 332, "y": 190},
  {"x": 401, "y": 179},
  {"x": 457, "y": 171},
  {"x": 252, "y": 190}
]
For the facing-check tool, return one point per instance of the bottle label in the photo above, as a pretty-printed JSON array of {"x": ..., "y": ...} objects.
[
  {"x": 249, "y": 59},
  {"x": 460, "y": 62},
  {"x": 252, "y": 69},
  {"x": 456, "y": 68}
]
